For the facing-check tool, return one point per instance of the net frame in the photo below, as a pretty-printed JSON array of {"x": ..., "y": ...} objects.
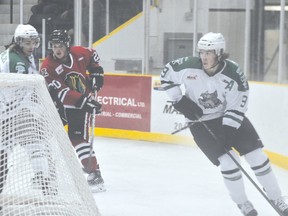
[{"x": 33, "y": 138}]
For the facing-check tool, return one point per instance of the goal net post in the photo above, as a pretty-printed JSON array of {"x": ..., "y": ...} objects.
[{"x": 39, "y": 170}]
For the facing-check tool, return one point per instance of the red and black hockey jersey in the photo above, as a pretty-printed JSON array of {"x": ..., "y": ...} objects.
[{"x": 71, "y": 81}]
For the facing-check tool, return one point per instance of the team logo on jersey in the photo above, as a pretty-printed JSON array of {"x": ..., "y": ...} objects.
[
  {"x": 20, "y": 68},
  {"x": 209, "y": 100},
  {"x": 75, "y": 82},
  {"x": 192, "y": 77},
  {"x": 4, "y": 56}
]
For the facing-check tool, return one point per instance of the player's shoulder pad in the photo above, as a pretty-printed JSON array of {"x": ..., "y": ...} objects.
[
  {"x": 85, "y": 52},
  {"x": 77, "y": 49},
  {"x": 185, "y": 63},
  {"x": 47, "y": 61},
  {"x": 14, "y": 57},
  {"x": 80, "y": 50},
  {"x": 234, "y": 72}
]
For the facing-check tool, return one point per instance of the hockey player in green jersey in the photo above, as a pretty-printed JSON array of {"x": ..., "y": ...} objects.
[
  {"x": 216, "y": 99},
  {"x": 18, "y": 57}
]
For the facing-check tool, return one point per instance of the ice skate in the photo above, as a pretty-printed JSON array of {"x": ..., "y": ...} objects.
[
  {"x": 96, "y": 182},
  {"x": 247, "y": 209},
  {"x": 44, "y": 184},
  {"x": 281, "y": 206}
]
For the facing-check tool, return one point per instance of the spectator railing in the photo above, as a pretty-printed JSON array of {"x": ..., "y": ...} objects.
[{"x": 20, "y": 10}]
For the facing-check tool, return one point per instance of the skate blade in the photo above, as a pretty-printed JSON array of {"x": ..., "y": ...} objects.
[{"x": 97, "y": 188}]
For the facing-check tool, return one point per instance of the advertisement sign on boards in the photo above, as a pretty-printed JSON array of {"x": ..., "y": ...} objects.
[{"x": 126, "y": 102}]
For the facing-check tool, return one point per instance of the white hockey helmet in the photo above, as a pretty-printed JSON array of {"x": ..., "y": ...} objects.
[
  {"x": 26, "y": 31},
  {"x": 212, "y": 41}
]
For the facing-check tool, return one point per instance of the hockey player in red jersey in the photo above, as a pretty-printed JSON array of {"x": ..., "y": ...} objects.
[
  {"x": 216, "y": 93},
  {"x": 71, "y": 88}
]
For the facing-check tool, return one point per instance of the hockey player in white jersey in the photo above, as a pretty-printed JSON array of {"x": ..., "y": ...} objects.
[
  {"x": 18, "y": 58},
  {"x": 217, "y": 92}
]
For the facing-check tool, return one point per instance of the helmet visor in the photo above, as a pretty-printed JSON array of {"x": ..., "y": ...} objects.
[{"x": 29, "y": 41}]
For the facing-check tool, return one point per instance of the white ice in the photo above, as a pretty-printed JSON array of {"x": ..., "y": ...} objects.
[{"x": 155, "y": 179}]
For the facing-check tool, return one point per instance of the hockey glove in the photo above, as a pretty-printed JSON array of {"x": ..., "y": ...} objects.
[
  {"x": 97, "y": 73},
  {"x": 188, "y": 108},
  {"x": 89, "y": 105},
  {"x": 53, "y": 91}
]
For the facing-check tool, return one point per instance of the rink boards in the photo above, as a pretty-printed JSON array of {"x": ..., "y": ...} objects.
[{"x": 132, "y": 109}]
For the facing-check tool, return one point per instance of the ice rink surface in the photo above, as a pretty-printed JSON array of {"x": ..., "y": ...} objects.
[{"x": 155, "y": 179}]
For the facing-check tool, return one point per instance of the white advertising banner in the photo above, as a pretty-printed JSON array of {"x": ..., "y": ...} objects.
[
  {"x": 268, "y": 111},
  {"x": 164, "y": 118}
]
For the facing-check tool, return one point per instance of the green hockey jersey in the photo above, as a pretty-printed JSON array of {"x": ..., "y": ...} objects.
[{"x": 12, "y": 61}]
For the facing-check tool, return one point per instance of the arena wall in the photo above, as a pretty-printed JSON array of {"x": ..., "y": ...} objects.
[{"x": 132, "y": 109}]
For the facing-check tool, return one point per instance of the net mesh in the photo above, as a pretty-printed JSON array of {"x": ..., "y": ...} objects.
[{"x": 39, "y": 171}]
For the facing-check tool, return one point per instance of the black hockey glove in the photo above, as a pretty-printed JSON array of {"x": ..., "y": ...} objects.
[
  {"x": 96, "y": 73},
  {"x": 188, "y": 108},
  {"x": 89, "y": 105},
  {"x": 53, "y": 91}
]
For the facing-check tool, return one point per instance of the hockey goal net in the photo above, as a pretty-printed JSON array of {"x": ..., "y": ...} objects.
[{"x": 39, "y": 170}]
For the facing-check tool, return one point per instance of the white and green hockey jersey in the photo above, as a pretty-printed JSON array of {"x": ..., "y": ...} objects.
[
  {"x": 225, "y": 94},
  {"x": 14, "y": 62}
]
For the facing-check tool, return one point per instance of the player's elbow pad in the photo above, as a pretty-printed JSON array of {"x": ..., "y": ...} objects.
[{"x": 188, "y": 108}]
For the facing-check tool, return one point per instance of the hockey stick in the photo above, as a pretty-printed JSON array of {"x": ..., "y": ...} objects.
[
  {"x": 92, "y": 126},
  {"x": 160, "y": 88},
  {"x": 185, "y": 127},
  {"x": 189, "y": 124},
  {"x": 235, "y": 161}
]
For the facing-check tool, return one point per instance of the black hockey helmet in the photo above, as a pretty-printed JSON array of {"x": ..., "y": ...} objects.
[{"x": 59, "y": 36}]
